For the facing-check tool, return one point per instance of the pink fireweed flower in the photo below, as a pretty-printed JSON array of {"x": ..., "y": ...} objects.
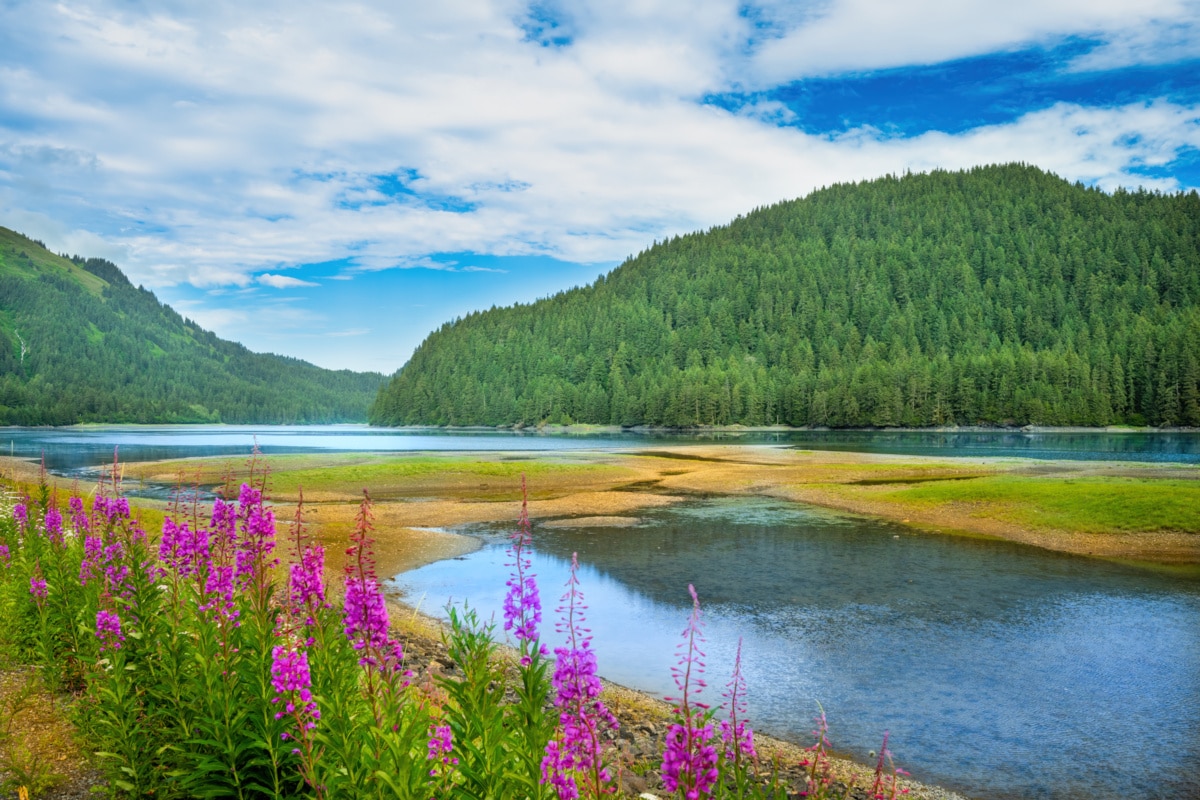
[
  {"x": 365, "y": 622},
  {"x": 111, "y": 508},
  {"x": 5, "y": 556},
  {"x": 108, "y": 630},
  {"x": 53, "y": 525},
  {"x": 181, "y": 548},
  {"x": 218, "y": 590},
  {"x": 107, "y": 561},
  {"x": 306, "y": 584},
  {"x": 689, "y": 760},
  {"x": 292, "y": 682},
  {"x": 79, "y": 518},
  {"x": 886, "y": 786},
  {"x": 223, "y": 523},
  {"x": 583, "y": 718},
  {"x": 736, "y": 734},
  {"x": 817, "y": 767},
  {"x": 256, "y": 541},
  {"x": 116, "y": 572},
  {"x": 21, "y": 515},
  {"x": 441, "y": 745},
  {"x": 522, "y": 604},
  {"x": 93, "y": 556},
  {"x": 37, "y": 586}
]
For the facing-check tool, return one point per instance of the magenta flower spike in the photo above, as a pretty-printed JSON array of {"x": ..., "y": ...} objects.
[
  {"x": 441, "y": 747},
  {"x": 292, "y": 681},
  {"x": 38, "y": 587},
  {"x": 366, "y": 625},
  {"x": 182, "y": 549},
  {"x": 306, "y": 583},
  {"x": 93, "y": 553},
  {"x": 218, "y": 590},
  {"x": 53, "y": 525},
  {"x": 522, "y": 603},
  {"x": 256, "y": 539},
  {"x": 108, "y": 630},
  {"x": 79, "y": 517},
  {"x": 223, "y": 522},
  {"x": 689, "y": 760},
  {"x": 583, "y": 717},
  {"x": 5, "y": 556},
  {"x": 21, "y": 515}
]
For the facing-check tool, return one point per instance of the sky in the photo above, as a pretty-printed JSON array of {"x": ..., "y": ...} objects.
[{"x": 334, "y": 181}]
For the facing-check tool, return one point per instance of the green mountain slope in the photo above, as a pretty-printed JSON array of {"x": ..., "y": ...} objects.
[
  {"x": 79, "y": 343},
  {"x": 998, "y": 295}
]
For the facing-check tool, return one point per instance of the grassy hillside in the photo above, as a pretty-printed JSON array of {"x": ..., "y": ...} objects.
[
  {"x": 79, "y": 343},
  {"x": 1001, "y": 294}
]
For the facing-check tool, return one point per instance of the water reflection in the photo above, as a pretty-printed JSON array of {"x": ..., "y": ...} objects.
[{"x": 1000, "y": 670}]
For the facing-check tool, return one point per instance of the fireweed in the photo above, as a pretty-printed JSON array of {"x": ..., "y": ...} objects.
[
  {"x": 207, "y": 671},
  {"x": 578, "y": 754},
  {"x": 689, "y": 763}
]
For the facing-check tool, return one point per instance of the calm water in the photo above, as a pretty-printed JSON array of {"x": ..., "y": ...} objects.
[
  {"x": 1000, "y": 670},
  {"x": 74, "y": 448}
]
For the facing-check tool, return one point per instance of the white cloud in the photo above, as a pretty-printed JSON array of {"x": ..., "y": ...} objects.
[
  {"x": 1161, "y": 41},
  {"x": 206, "y": 143},
  {"x": 861, "y": 35},
  {"x": 283, "y": 281}
]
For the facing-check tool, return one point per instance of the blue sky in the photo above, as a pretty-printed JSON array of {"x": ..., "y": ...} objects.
[{"x": 334, "y": 182}]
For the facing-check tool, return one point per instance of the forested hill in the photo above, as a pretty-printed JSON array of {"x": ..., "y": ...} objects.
[
  {"x": 79, "y": 343},
  {"x": 999, "y": 295}
]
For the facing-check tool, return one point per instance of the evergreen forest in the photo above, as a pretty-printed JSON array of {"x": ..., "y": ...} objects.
[
  {"x": 1000, "y": 295},
  {"x": 79, "y": 343}
]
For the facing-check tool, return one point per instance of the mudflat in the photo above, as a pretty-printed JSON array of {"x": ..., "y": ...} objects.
[{"x": 1128, "y": 511}]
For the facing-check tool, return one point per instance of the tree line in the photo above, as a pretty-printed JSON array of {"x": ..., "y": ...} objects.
[
  {"x": 996, "y": 295},
  {"x": 79, "y": 343}
]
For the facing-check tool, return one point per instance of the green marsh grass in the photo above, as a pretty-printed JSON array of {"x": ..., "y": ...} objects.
[{"x": 1087, "y": 504}]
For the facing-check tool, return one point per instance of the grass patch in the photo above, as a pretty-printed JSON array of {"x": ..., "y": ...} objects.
[
  {"x": 399, "y": 474},
  {"x": 387, "y": 475},
  {"x": 1091, "y": 505}
]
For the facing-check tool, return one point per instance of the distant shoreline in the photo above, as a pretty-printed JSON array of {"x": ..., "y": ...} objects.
[{"x": 578, "y": 428}]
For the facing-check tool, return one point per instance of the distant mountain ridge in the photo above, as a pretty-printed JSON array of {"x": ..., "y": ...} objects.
[
  {"x": 996, "y": 295},
  {"x": 79, "y": 343}
]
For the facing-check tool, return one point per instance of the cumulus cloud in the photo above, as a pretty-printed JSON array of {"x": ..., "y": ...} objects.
[{"x": 205, "y": 143}]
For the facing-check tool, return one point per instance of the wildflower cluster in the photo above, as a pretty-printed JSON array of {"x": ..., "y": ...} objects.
[{"x": 210, "y": 671}]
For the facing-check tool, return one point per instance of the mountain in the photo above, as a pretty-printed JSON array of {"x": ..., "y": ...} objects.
[
  {"x": 997, "y": 295},
  {"x": 79, "y": 343}
]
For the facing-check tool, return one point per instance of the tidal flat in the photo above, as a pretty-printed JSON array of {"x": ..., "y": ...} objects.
[{"x": 1131, "y": 512}]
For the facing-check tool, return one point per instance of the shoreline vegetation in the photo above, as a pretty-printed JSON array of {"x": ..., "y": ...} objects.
[
  {"x": 1147, "y": 514},
  {"x": 256, "y": 607}
]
